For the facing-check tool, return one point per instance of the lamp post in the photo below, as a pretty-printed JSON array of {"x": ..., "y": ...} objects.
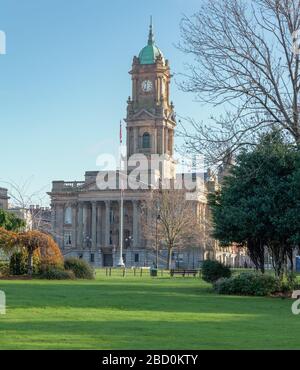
[
  {"x": 156, "y": 238},
  {"x": 121, "y": 262},
  {"x": 121, "y": 187},
  {"x": 87, "y": 241},
  {"x": 128, "y": 241}
]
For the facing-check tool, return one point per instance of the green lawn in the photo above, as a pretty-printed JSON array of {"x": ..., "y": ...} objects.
[{"x": 141, "y": 313}]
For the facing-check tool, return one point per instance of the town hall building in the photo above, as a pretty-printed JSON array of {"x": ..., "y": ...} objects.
[{"x": 86, "y": 219}]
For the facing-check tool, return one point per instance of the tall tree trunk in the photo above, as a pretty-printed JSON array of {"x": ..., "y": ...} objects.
[
  {"x": 256, "y": 252},
  {"x": 262, "y": 256},
  {"x": 30, "y": 262},
  {"x": 170, "y": 250},
  {"x": 290, "y": 255},
  {"x": 278, "y": 258}
]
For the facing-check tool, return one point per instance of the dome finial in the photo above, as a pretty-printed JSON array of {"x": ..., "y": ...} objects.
[{"x": 151, "y": 35}]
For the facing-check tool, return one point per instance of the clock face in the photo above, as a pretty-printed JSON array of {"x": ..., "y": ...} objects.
[{"x": 147, "y": 86}]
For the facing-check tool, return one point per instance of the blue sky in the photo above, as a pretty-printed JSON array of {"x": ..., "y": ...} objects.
[{"x": 64, "y": 81}]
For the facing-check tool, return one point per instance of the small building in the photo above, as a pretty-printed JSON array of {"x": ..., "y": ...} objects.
[
  {"x": 4, "y": 198},
  {"x": 24, "y": 214},
  {"x": 41, "y": 218}
]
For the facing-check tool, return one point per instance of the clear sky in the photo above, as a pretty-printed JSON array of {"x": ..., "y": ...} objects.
[{"x": 64, "y": 81}]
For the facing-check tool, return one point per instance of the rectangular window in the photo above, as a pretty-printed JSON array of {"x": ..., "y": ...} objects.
[
  {"x": 92, "y": 257},
  {"x": 67, "y": 238},
  {"x": 136, "y": 257},
  {"x": 111, "y": 216},
  {"x": 68, "y": 216}
]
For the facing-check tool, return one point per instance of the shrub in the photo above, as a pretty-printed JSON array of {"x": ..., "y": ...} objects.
[
  {"x": 49, "y": 252},
  {"x": 56, "y": 273},
  {"x": 290, "y": 284},
  {"x": 214, "y": 270},
  {"x": 4, "y": 268},
  {"x": 248, "y": 283},
  {"x": 81, "y": 268},
  {"x": 41, "y": 245},
  {"x": 18, "y": 264}
]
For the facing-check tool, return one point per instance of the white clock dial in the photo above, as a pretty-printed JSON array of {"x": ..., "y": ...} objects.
[{"x": 147, "y": 86}]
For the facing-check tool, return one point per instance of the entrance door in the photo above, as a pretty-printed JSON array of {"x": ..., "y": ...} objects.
[{"x": 107, "y": 260}]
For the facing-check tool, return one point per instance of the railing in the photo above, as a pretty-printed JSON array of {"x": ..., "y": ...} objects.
[
  {"x": 138, "y": 272},
  {"x": 68, "y": 186},
  {"x": 161, "y": 260}
]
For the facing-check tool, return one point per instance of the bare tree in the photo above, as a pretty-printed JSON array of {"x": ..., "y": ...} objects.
[
  {"x": 30, "y": 204},
  {"x": 171, "y": 219},
  {"x": 246, "y": 58}
]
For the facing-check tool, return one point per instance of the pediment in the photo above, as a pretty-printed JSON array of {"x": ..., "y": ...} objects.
[{"x": 144, "y": 115}]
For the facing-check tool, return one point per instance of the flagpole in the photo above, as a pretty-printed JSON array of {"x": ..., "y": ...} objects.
[{"x": 121, "y": 262}]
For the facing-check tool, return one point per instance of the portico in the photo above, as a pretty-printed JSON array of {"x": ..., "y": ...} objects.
[{"x": 90, "y": 225}]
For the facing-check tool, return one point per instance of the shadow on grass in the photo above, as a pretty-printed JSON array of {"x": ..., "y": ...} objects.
[
  {"x": 143, "y": 334},
  {"x": 121, "y": 333},
  {"x": 133, "y": 297}
]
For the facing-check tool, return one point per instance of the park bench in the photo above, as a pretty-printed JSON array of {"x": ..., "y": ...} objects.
[{"x": 184, "y": 272}]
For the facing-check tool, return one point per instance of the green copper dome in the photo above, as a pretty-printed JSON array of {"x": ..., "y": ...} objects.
[{"x": 150, "y": 52}]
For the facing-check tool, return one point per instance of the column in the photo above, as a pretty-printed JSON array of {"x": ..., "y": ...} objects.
[
  {"x": 134, "y": 89},
  {"x": 167, "y": 140},
  {"x": 155, "y": 146},
  {"x": 135, "y": 223},
  {"x": 60, "y": 225},
  {"x": 121, "y": 220},
  {"x": 53, "y": 221},
  {"x": 128, "y": 140},
  {"x": 85, "y": 224},
  {"x": 80, "y": 226},
  {"x": 172, "y": 142},
  {"x": 135, "y": 140},
  {"x": 107, "y": 223},
  {"x": 74, "y": 226},
  {"x": 162, "y": 140},
  {"x": 149, "y": 220},
  {"x": 158, "y": 89},
  {"x": 94, "y": 225},
  {"x": 99, "y": 226}
]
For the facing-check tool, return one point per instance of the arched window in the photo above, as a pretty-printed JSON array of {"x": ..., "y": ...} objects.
[
  {"x": 68, "y": 216},
  {"x": 146, "y": 141}
]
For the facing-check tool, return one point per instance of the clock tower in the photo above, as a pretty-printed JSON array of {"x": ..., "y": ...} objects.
[{"x": 150, "y": 114}]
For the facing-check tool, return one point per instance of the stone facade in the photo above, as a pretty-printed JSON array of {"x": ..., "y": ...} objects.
[{"x": 86, "y": 220}]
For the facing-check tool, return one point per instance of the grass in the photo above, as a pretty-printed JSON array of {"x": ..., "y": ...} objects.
[{"x": 141, "y": 313}]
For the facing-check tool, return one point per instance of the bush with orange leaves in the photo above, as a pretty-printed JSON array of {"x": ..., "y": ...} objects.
[
  {"x": 34, "y": 244},
  {"x": 40, "y": 245},
  {"x": 8, "y": 240}
]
